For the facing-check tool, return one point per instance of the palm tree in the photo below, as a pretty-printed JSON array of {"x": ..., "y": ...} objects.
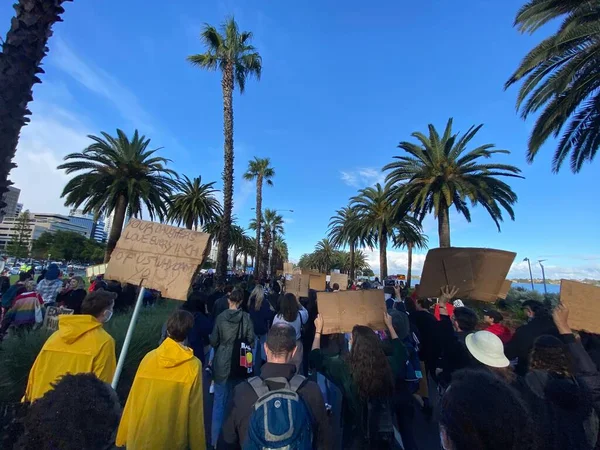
[
  {"x": 306, "y": 261},
  {"x": 119, "y": 175},
  {"x": 276, "y": 232},
  {"x": 260, "y": 170},
  {"x": 280, "y": 253},
  {"x": 237, "y": 238},
  {"x": 324, "y": 255},
  {"x": 22, "y": 52},
  {"x": 409, "y": 234},
  {"x": 195, "y": 204},
  {"x": 377, "y": 218},
  {"x": 561, "y": 78},
  {"x": 440, "y": 172},
  {"x": 230, "y": 52}
]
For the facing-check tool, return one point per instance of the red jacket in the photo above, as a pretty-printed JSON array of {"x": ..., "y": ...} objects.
[
  {"x": 501, "y": 331},
  {"x": 449, "y": 310}
]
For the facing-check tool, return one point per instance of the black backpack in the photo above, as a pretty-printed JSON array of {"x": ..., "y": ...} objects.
[
  {"x": 241, "y": 355},
  {"x": 379, "y": 424}
]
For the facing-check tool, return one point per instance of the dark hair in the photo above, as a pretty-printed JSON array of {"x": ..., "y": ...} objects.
[
  {"x": 276, "y": 288},
  {"x": 24, "y": 276},
  {"x": 281, "y": 339},
  {"x": 494, "y": 315},
  {"x": 196, "y": 302},
  {"x": 538, "y": 308},
  {"x": 288, "y": 307},
  {"x": 336, "y": 287},
  {"x": 465, "y": 318},
  {"x": 473, "y": 406},
  {"x": 236, "y": 296},
  {"x": 179, "y": 325},
  {"x": 370, "y": 369},
  {"x": 410, "y": 305},
  {"x": 549, "y": 353},
  {"x": 96, "y": 302},
  {"x": 80, "y": 412},
  {"x": 389, "y": 290},
  {"x": 228, "y": 289}
]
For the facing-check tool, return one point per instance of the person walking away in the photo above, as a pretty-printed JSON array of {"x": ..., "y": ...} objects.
[
  {"x": 487, "y": 349},
  {"x": 245, "y": 425},
  {"x": 164, "y": 408},
  {"x": 80, "y": 345},
  {"x": 231, "y": 327},
  {"x": 262, "y": 315},
  {"x": 539, "y": 322},
  {"x": 26, "y": 311},
  {"x": 293, "y": 313},
  {"x": 493, "y": 319},
  {"x": 366, "y": 379},
  {"x": 18, "y": 288},
  {"x": 198, "y": 339},
  {"x": 222, "y": 303},
  {"x": 73, "y": 296},
  {"x": 50, "y": 286}
]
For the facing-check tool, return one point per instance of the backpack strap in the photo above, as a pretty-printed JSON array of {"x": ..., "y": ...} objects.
[
  {"x": 260, "y": 387},
  {"x": 296, "y": 382}
]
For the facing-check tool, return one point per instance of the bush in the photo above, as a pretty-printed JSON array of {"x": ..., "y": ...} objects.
[{"x": 17, "y": 355}]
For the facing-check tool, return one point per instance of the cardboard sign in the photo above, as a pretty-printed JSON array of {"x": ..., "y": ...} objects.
[
  {"x": 318, "y": 281},
  {"x": 342, "y": 310},
  {"x": 478, "y": 273},
  {"x": 341, "y": 279},
  {"x": 51, "y": 317},
  {"x": 583, "y": 301},
  {"x": 505, "y": 288},
  {"x": 298, "y": 285},
  {"x": 94, "y": 271},
  {"x": 288, "y": 267},
  {"x": 161, "y": 257}
]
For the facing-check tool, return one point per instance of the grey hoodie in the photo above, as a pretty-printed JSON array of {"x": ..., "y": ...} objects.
[{"x": 223, "y": 337}]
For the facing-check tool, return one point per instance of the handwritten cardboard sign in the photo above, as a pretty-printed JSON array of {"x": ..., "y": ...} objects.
[
  {"x": 288, "y": 267},
  {"x": 341, "y": 279},
  {"x": 583, "y": 301},
  {"x": 342, "y": 310},
  {"x": 505, "y": 288},
  {"x": 161, "y": 257},
  {"x": 51, "y": 317},
  {"x": 478, "y": 273},
  {"x": 298, "y": 285}
]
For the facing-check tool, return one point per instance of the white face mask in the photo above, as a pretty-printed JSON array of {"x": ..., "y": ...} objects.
[
  {"x": 107, "y": 316},
  {"x": 387, "y": 296}
]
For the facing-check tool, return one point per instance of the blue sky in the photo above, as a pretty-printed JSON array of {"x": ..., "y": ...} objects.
[{"x": 342, "y": 85}]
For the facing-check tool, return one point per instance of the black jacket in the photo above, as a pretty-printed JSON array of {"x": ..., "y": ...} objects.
[
  {"x": 241, "y": 406},
  {"x": 522, "y": 341},
  {"x": 427, "y": 325},
  {"x": 454, "y": 352}
]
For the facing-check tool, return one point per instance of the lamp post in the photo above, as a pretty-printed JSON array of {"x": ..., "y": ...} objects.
[
  {"x": 540, "y": 261},
  {"x": 530, "y": 275}
]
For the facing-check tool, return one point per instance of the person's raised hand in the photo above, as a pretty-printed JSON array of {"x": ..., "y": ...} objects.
[
  {"x": 561, "y": 318},
  {"x": 448, "y": 293},
  {"x": 387, "y": 319},
  {"x": 397, "y": 292},
  {"x": 319, "y": 322}
]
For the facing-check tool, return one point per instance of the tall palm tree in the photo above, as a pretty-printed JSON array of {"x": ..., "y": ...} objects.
[
  {"x": 377, "y": 217},
  {"x": 119, "y": 174},
  {"x": 562, "y": 78},
  {"x": 324, "y": 255},
  {"x": 238, "y": 235},
  {"x": 260, "y": 170},
  {"x": 280, "y": 253},
  {"x": 276, "y": 232},
  {"x": 230, "y": 52},
  {"x": 409, "y": 234},
  {"x": 194, "y": 204},
  {"x": 22, "y": 52},
  {"x": 306, "y": 261},
  {"x": 439, "y": 172}
]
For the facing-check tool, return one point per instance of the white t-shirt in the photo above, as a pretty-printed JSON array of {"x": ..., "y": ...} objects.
[{"x": 302, "y": 318}]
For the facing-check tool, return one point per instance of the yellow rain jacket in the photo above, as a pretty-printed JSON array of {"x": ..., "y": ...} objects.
[
  {"x": 79, "y": 346},
  {"x": 164, "y": 409}
]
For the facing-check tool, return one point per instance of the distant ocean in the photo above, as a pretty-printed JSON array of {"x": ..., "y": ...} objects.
[{"x": 552, "y": 288}]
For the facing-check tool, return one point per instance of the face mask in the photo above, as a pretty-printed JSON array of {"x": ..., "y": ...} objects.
[
  {"x": 387, "y": 296},
  {"x": 349, "y": 346},
  {"x": 107, "y": 316}
]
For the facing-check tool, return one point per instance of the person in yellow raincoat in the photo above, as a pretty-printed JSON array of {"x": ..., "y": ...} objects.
[
  {"x": 79, "y": 346},
  {"x": 164, "y": 409}
]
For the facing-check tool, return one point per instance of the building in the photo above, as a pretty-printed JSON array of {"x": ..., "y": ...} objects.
[
  {"x": 19, "y": 209},
  {"x": 11, "y": 198},
  {"x": 95, "y": 227},
  {"x": 38, "y": 224}
]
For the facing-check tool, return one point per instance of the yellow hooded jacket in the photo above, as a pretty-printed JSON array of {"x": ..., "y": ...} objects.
[
  {"x": 164, "y": 408},
  {"x": 79, "y": 346}
]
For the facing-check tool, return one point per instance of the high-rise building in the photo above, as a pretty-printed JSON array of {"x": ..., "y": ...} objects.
[
  {"x": 19, "y": 209},
  {"x": 95, "y": 227},
  {"x": 11, "y": 198}
]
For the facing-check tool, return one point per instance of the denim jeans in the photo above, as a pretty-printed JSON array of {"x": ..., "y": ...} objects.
[{"x": 220, "y": 402}]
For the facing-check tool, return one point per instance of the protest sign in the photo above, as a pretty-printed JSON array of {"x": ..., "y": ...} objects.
[
  {"x": 478, "y": 273},
  {"x": 161, "y": 257},
  {"x": 342, "y": 310},
  {"x": 341, "y": 279},
  {"x": 288, "y": 268},
  {"x": 505, "y": 288},
  {"x": 583, "y": 301},
  {"x": 318, "y": 281},
  {"x": 298, "y": 285},
  {"x": 51, "y": 317},
  {"x": 94, "y": 271}
]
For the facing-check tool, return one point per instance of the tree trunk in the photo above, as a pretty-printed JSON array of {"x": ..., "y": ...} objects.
[
  {"x": 444, "y": 227},
  {"x": 189, "y": 223},
  {"x": 273, "y": 262},
  {"x": 22, "y": 53},
  {"x": 227, "y": 85},
  {"x": 265, "y": 253},
  {"x": 383, "y": 256},
  {"x": 409, "y": 246},
  {"x": 352, "y": 261},
  {"x": 245, "y": 261},
  {"x": 259, "y": 183},
  {"x": 117, "y": 226}
]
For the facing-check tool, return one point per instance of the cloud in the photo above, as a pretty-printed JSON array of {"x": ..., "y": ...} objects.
[
  {"x": 362, "y": 177},
  {"x": 397, "y": 261}
]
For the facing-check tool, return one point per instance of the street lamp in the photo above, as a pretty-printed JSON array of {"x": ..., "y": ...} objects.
[
  {"x": 540, "y": 261},
  {"x": 530, "y": 275}
]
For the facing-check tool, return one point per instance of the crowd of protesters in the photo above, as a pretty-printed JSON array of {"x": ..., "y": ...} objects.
[{"x": 277, "y": 381}]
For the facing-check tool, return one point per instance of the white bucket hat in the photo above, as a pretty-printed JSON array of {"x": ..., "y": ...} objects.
[{"x": 487, "y": 348}]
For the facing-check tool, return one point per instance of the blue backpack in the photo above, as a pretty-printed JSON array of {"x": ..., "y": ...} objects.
[
  {"x": 412, "y": 372},
  {"x": 280, "y": 419}
]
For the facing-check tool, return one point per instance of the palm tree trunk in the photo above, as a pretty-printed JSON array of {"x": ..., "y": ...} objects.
[
  {"x": 382, "y": 256},
  {"x": 117, "y": 226},
  {"x": 444, "y": 227},
  {"x": 273, "y": 263},
  {"x": 245, "y": 261},
  {"x": 189, "y": 223},
  {"x": 352, "y": 261},
  {"x": 227, "y": 85},
  {"x": 265, "y": 253},
  {"x": 22, "y": 53},
  {"x": 409, "y": 246},
  {"x": 259, "y": 183}
]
